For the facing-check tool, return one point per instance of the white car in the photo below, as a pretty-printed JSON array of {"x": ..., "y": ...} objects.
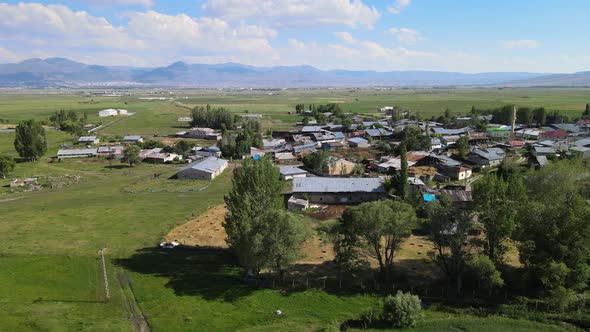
[{"x": 169, "y": 245}]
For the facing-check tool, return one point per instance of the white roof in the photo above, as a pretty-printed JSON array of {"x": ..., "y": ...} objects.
[
  {"x": 291, "y": 170},
  {"x": 86, "y": 138},
  {"x": 74, "y": 152},
  {"x": 209, "y": 165}
]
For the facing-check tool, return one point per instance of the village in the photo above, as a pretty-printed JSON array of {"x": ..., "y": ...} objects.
[{"x": 336, "y": 164}]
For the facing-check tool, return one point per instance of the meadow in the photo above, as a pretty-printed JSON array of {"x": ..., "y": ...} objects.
[{"x": 50, "y": 270}]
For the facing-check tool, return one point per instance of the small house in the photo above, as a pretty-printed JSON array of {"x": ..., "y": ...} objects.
[
  {"x": 88, "y": 140},
  {"x": 132, "y": 139},
  {"x": 291, "y": 172},
  {"x": 358, "y": 142},
  {"x": 207, "y": 169}
]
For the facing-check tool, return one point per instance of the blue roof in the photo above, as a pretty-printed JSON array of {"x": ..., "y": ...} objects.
[
  {"x": 429, "y": 197},
  {"x": 338, "y": 135},
  {"x": 358, "y": 140}
]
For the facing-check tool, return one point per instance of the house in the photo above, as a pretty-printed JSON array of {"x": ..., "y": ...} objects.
[
  {"x": 582, "y": 150},
  {"x": 115, "y": 152},
  {"x": 447, "y": 168},
  {"x": 377, "y": 133},
  {"x": 332, "y": 146},
  {"x": 450, "y": 132},
  {"x": 308, "y": 147},
  {"x": 450, "y": 140},
  {"x": 541, "y": 161},
  {"x": 358, "y": 142},
  {"x": 528, "y": 134},
  {"x": 157, "y": 155},
  {"x": 203, "y": 133},
  {"x": 76, "y": 153},
  {"x": 585, "y": 142},
  {"x": 206, "y": 169},
  {"x": 338, "y": 190},
  {"x": 543, "y": 151},
  {"x": 291, "y": 172},
  {"x": 273, "y": 144},
  {"x": 311, "y": 129},
  {"x": 487, "y": 158},
  {"x": 390, "y": 165},
  {"x": 415, "y": 184},
  {"x": 501, "y": 133},
  {"x": 207, "y": 152},
  {"x": 339, "y": 167},
  {"x": 435, "y": 144},
  {"x": 132, "y": 139},
  {"x": 284, "y": 157},
  {"x": 88, "y": 140},
  {"x": 297, "y": 204},
  {"x": 554, "y": 135}
]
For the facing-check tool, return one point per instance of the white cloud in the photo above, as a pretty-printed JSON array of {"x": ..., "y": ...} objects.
[
  {"x": 520, "y": 43},
  {"x": 398, "y": 6},
  {"x": 345, "y": 37},
  {"x": 352, "y": 13},
  {"x": 57, "y": 24},
  {"x": 104, "y": 3},
  {"x": 406, "y": 35}
]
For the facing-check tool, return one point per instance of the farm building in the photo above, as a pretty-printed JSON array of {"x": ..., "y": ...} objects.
[
  {"x": 284, "y": 157},
  {"x": 111, "y": 112},
  {"x": 206, "y": 169},
  {"x": 339, "y": 190},
  {"x": 158, "y": 156},
  {"x": 76, "y": 153},
  {"x": 358, "y": 142},
  {"x": 297, "y": 204},
  {"x": 291, "y": 172},
  {"x": 110, "y": 151},
  {"x": 88, "y": 140},
  {"x": 202, "y": 133},
  {"x": 132, "y": 139}
]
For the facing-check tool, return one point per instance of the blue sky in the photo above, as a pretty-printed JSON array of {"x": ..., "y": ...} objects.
[{"x": 450, "y": 35}]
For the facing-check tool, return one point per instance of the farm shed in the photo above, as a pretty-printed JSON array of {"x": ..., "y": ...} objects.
[
  {"x": 206, "y": 169},
  {"x": 76, "y": 153},
  {"x": 339, "y": 190},
  {"x": 358, "y": 142},
  {"x": 132, "y": 139}
]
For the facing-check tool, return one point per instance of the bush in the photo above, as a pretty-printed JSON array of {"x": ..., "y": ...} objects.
[
  {"x": 369, "y": 317},
  {"x": 402, "y": 310}
]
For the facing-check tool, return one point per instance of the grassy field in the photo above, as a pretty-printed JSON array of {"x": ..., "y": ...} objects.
[
  {"x": 49, "y": 262},
  {"x": 160, "y": 117}
]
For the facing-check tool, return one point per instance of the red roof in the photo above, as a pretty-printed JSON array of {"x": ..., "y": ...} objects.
[
  {"x": 555, "y": 133},
  {"x": 584, "y": 121},
  {"x": 516, "y": 143}
]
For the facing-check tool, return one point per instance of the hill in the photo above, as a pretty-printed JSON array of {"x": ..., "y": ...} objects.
[{"x": 64, "y": 72}]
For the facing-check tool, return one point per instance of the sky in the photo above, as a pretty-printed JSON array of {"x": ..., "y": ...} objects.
[{"x": 548, "y": 36}]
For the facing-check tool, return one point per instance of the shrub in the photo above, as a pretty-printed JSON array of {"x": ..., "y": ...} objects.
[
  {"x": 402, "y": 310},
  {"x": 369, "y": 317}
]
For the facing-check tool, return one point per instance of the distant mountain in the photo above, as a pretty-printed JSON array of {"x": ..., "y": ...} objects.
[
  {"x": 60, "y": 72},
  {"x": 580, "y": 79}
]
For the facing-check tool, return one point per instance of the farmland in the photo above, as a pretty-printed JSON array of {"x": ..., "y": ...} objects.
[{"x": 49, "y": 261}]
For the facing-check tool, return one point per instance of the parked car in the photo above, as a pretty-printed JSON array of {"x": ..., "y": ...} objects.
[{"x": 169, "y": 245}]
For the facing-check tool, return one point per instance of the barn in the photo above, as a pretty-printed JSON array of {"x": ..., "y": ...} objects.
[
  {"x": 206, "y": 169},
  {"x": 339, "y": 190}
]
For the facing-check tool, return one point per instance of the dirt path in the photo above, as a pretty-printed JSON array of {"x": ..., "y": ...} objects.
[
  {"x": 10, "y": 199},
  {"x": 135, "y": 314}
]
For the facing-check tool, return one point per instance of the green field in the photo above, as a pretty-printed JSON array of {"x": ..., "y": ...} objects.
[{"x": 50, "y": 272}]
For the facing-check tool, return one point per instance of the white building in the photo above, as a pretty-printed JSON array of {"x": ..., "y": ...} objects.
[
  {"x": 290, "y": 172},
  {"x": 89, "y": 140},
  {"x": 111, "y": 112},
  {"x": 206, "y": 169}
]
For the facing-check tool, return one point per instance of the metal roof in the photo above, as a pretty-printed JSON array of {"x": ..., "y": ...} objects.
[
  {"x": 291, "y": 170},
  {"x": 311, "y": 129},
  {"x": 582, "y": 142},
  {"x": 444, "y": 131},
  {"x": 209, "y": 165},
  {"x": 86, "y": 138},
  {"x": 132, "y": 138},
  {"x": 75, "y": 152},
  {"x": 337, "y": 185},
  {"x": 358, "y": 140},
  {"x": 542, "y": 160}
]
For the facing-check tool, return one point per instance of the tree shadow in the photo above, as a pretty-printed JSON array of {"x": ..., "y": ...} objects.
[
  {"x": 208, "y": 272},
  {"x": 121, "y": 166}
]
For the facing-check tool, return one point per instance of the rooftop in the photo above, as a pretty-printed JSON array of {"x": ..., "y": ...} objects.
[
  {"x": 337, "y": 185},
  {"x": 209, "y": 165}
]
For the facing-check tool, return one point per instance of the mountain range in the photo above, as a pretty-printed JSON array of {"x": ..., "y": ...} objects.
[{"x": 55, "y": 72}]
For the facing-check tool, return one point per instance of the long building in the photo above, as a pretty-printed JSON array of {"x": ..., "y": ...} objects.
[{"x": 339, "y": 190}]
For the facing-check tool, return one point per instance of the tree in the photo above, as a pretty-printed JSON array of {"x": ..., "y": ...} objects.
[
  {"x": 497, "y": 202},
  {"x": 447, "y": 228},
  {"x": 414, "y": 140},
  {"x": 402, "y": 310},
  {"x": 317, "y": 161},
  {"x": 183, "y": 147},
  {"x": 554, "y": 227},
  {"x": 213, "y": 117},
  {"x": 540, "y": 116},
  {"x": 6, "y": 165},
  {"x": 377, "y": 229},
  {"x": 524, "y": 115},
  {"x": 403, "y": 175},
  {"x": 586, "y": 114},
  {"x": 485, "y": 272},
  {"x": 283, "y": 236},
  {"x": 131, "y": 155},
  {"x": 256, "y": 190},
  {"x": 463, "y": 146},
  {"x": 30, "y": 141}
]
